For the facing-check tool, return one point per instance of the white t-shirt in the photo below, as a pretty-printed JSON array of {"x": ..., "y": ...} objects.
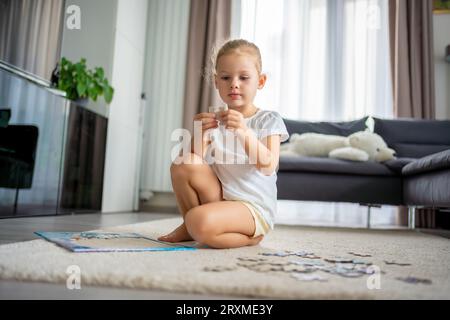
[{"x": 239, "y": 178}]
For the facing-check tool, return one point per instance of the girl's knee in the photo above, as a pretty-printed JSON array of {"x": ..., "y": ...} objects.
[
  {"x": 186, "y": 164},
  {"x": 178, "y": 171},
  {"x": 187, "y": 158},
  {"x": 200, "y": 225}
]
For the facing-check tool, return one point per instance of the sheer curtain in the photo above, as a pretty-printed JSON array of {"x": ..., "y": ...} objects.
[{"x": 325, "y": 59}]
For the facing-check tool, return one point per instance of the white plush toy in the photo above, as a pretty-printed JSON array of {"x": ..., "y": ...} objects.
[
  {"x": 373, "y": 144},
  {"x": 316, "y": 144},
  {"x": 359, "y": 146}
]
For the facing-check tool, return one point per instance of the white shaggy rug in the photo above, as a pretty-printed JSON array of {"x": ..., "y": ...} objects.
[{"x": 183, "y": 271}]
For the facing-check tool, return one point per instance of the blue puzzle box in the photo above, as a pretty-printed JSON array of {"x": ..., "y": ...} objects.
[{"x": 109, "y": 242}]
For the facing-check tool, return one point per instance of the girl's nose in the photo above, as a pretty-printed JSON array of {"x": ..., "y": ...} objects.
[{"x": 234, "y": 84}]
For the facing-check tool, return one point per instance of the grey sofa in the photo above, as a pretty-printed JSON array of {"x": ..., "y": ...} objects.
[{"x": 420, "y": 176}]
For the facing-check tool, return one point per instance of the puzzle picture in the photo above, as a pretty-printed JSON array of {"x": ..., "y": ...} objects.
[{"x": 109, "y": 242}]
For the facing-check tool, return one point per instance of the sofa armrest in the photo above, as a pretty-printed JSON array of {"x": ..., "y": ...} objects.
[{"x": 433, "y": 162}]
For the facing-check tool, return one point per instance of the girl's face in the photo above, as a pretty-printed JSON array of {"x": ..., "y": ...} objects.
[{"x": 238, "y": 80}]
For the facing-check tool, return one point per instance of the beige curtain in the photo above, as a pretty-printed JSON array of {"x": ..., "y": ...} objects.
[
  {"x": 411, "y": 39},
  {"x": 209, "y": 25},
  {"x": 412, "y": 69},
  {"x": 30, "y": 34}
]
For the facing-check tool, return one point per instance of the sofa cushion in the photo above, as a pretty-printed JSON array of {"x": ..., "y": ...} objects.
[
  {"x": 335, "y": 128},
  {"x": 434, "y": 162},
  {"x": 414, "y": 138},
  {"x": 327, "y": 165},
  {"x": 397, "y": 164},
  {"x": 429, "y": 189},
  {"x": 311, "y": 186}
]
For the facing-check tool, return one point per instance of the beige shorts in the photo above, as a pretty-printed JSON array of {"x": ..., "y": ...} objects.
[{"x": 262, "y": 227}]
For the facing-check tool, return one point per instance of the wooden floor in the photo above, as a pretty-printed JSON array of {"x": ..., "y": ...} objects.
[{"x": 22, "y": 229}]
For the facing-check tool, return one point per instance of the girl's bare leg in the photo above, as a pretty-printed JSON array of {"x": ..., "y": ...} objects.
[
  {"x": 223, "y": 224},
  {"x": 194, "y": 183}
]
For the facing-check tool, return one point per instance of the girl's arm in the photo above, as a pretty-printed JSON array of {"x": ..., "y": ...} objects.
[
  {"x": 202, "y": 122},
  {"x": 264, "y": 154}
]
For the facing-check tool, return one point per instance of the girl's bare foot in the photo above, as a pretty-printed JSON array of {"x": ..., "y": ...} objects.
[
  {"x": 255, "y": 241},
  {"x": 178, "y": 235}
]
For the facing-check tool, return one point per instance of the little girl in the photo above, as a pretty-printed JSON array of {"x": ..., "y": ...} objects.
[{"x": 229, "y": 204}]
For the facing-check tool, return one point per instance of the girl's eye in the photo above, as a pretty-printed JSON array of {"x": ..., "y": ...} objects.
[
  {"x": 225, "y": 78},
  {"x": 245, "y": 78}
]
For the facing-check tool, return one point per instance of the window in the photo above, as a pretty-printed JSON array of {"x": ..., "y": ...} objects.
[{"x": 325, "y": 59}]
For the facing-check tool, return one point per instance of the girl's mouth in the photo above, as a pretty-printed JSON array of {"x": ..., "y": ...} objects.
[{"x": 234, "y": 96}]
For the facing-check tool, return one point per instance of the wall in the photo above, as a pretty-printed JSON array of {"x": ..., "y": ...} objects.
[
  {"x": 165, "y": 67},
  {"x": 112, "y": 36},
  {"x": 94, "y": 41},
  {"x": 441, "y": 25},
  {"x": 122, "y": 147}
]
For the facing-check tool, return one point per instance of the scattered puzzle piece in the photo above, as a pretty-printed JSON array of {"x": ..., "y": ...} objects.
[
  {"x": 219, "y": 268},
  {"x": 298, "y": 269},
  {"x": 252, "y": 259},
  {"x": 397, "y": 263},
  {"x": 360, "y": 254},
  {"x": 309, "y": 277},
  {"x": 414, "y": 280},
  {"x": 339, "y": 260}
]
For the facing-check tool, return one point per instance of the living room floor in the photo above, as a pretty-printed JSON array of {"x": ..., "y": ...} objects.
[{"x": 22, "y": 229}]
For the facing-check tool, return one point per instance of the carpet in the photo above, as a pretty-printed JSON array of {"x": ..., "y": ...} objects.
[{"x": 428, "y": 257}]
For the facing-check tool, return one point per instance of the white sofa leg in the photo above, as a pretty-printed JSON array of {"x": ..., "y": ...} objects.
[{"x": 411, "y": 217}]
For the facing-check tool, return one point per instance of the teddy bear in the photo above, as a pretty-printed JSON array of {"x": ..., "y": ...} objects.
[{"x": 359, "y": 146}]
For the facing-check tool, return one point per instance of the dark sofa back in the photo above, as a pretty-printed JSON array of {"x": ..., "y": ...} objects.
[
  {"x": 335, "y": 128},
  {"x": 413, "y": 138}
]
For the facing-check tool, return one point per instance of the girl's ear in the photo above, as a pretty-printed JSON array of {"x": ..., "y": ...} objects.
[{"x": 262, "y": 80}]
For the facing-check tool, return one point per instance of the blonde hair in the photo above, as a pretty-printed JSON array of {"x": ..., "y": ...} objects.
[{"x": 238, "y": 46}]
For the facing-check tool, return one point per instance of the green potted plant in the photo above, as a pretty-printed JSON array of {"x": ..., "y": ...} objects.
[{"x": 81, "y": 83}]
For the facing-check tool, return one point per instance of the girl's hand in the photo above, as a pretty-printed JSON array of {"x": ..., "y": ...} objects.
[
  {"x": 208, "y": 120},
  {"x": 233, "y": 120}
]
